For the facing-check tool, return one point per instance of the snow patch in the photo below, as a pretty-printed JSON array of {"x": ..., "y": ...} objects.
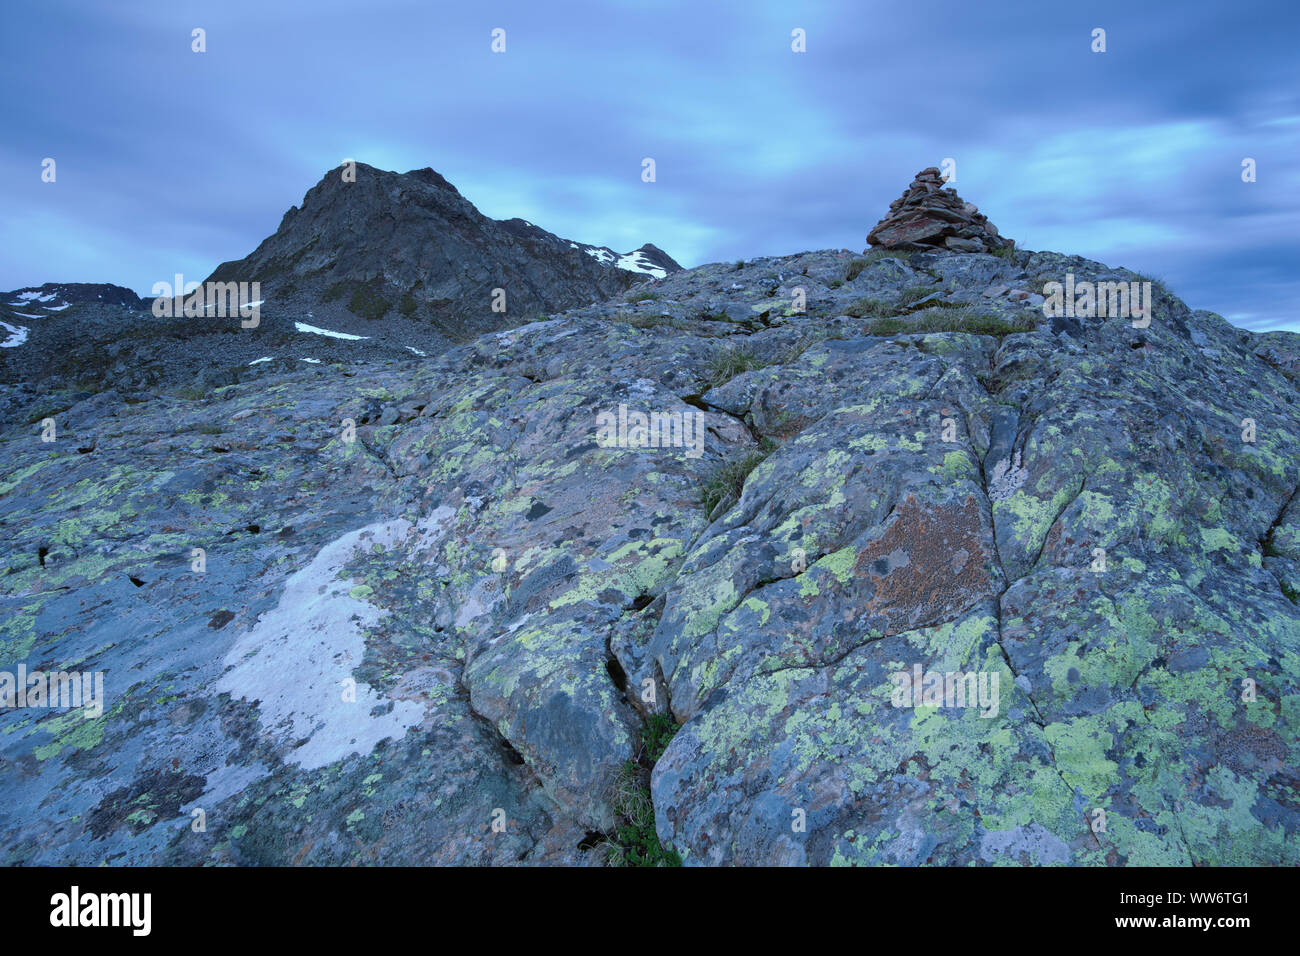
[
  {"x": 264, "y": 358},
  {"x": 632, "y": 262},
  {"x": 304, "y": 327},
  {"x": 417, "y": 351},
  {"x": 17, "y": 336},
  {"x": 637, "y": 262},
  {"x": 312, "y": 360}
]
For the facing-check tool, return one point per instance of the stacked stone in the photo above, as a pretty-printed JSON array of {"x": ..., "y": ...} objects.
[{"x": 928, "y": 216}]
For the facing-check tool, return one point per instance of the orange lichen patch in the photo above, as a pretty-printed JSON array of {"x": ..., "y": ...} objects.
[{"x": 931, "y": 563}]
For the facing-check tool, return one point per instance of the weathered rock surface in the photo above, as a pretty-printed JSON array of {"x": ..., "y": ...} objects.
[
  {"x": 929, "y": 215},
  {"x": 501, "y": 589}
]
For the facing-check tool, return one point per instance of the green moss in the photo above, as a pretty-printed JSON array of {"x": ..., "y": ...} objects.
[{"x": 368, "y": 303}]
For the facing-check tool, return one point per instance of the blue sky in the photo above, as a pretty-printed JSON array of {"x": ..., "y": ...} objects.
[{"x": 172, "y": 161}]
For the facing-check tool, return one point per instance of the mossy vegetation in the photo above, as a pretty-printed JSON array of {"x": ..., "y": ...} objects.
[
  {"x": 364, "y": 298},
  {"x": 635, "y": 841},
  {"x": 367, "y": 303}
]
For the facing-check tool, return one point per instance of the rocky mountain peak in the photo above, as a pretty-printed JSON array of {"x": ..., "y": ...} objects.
[
  {"x": 930, "y": 215},
  {"x": 368, "y": 244}
]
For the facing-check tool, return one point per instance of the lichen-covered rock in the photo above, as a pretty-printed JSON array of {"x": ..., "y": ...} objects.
[{"x": 993, "y": 586}]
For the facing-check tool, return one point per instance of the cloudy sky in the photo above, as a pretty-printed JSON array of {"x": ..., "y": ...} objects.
[{"x": 173, "y": 161}]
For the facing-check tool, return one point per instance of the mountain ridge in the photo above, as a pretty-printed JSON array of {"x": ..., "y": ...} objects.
[{"x": 385, "y": 244}]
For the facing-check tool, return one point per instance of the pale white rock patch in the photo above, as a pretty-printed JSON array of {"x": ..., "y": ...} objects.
[{"x": 296, "y": 659}]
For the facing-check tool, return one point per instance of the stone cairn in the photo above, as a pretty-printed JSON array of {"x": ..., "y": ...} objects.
[{"x": 928, "y": 216}]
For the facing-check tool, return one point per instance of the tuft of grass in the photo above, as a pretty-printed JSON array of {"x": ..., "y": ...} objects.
[
  {"x": 635, "y": 841},
  {"x": 648, "y": 321},
  {"x": 871, "y": 257},
  {"x": 1158, "y": 285},
  {"x": 1039, "y": 282},
  {"x": 869, "y": 308},
  {"x": 1005, "y": 252},
  {"x": 783, "y": 425},
  {"x": 729, "y": 363},
  {"x": 879, "y": 254},
  {"x": 728, "y": 480},
  {"x": 801, "y": 345},
  {"x": 640, "y": 295},
  {"x": 914, "y": 293},
  {"x": 965, "y": 319}
]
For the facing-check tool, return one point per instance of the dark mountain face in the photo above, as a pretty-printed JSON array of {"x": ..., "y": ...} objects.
[{"x": 410, "y": 248}]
